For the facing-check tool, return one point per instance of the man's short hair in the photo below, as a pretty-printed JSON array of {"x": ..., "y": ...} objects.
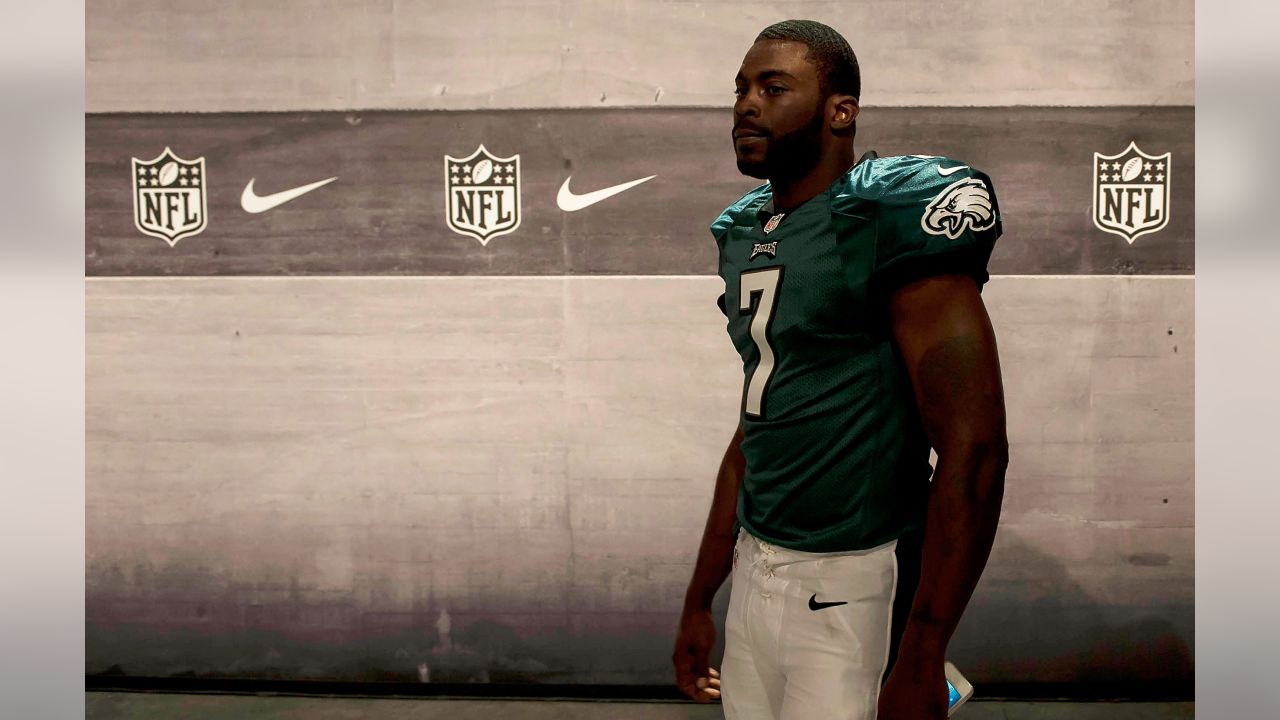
[{"x": 828, "y": 50}]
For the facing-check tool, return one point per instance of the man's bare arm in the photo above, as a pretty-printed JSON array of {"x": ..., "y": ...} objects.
[
  {"x": 715, "y": 554},
  {"x": 949, "y": 347},
  {"x": 697, "y": 634}
]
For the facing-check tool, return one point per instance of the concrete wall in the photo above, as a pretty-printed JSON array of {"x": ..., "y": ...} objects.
[
  {"x": 306, "y": 475},
  {"x": 391, "y": 454},
  {"x": 245, "y": 55}
]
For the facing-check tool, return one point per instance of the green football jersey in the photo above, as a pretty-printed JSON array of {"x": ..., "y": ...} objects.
[{"x": 836, "y": 454}]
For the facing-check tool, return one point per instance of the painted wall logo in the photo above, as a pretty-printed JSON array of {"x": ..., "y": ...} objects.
[
  {"x": 169, "y": 199},
  {"x": 1131, "y": 192},
  {"x": 482, "y": 194}
]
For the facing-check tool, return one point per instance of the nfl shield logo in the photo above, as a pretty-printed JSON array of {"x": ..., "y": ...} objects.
[
  {"x": 773, "y": 223},
  {"x": 169, "y": 199},
  {"x": 1131, "y": 192},
  {"x": 482, "y": 194}
]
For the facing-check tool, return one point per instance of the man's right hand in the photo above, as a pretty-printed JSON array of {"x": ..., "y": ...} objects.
[{"x": 696, "y": 636}]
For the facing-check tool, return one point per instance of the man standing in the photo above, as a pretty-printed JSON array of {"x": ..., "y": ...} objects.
[{"x": 852, "y": 295}]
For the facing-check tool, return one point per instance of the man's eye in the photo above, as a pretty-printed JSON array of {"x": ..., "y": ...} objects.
[
  {"x": 775, "y": 89},
  {"x": 739, "y": 92}
]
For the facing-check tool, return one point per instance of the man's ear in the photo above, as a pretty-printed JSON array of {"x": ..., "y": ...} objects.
[{"x": 845, "y": 112}]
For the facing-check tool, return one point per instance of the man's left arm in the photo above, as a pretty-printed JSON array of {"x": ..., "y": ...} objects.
[{"x": 947, "y": 342}]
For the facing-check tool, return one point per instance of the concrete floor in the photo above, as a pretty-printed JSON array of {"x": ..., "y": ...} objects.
[{"x": 155, "y": 706}]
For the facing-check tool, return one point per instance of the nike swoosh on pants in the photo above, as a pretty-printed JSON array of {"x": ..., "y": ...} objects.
[
  {"x": 815, "y": 605},
  {"x": 253, "y": 203},
  {"x": 569, "y": 201},
  {"x": 947, "y": 171}
]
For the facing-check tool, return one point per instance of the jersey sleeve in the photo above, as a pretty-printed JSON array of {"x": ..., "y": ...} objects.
[{"x": 936, "y": 218}]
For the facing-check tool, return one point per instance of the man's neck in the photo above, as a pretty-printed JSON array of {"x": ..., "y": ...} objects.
[{"x": 789, "y": 194}]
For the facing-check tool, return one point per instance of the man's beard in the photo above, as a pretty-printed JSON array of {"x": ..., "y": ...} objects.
[{"x": 792, "y": 155}]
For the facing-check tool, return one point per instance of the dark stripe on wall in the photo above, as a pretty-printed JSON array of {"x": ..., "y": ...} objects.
[
  {"x": 1144, "y": 692},
  {"x": 385, "y": 214}
]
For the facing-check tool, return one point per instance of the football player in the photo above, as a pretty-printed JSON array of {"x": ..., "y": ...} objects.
[{"x": 852, "y": 294}]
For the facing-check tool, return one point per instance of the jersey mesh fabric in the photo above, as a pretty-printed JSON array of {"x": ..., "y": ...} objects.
[{"x": 836, "y": 455}]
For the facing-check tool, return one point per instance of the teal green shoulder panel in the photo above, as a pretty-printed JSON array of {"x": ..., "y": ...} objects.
[
  {"x": 934, "y": 215},
  {"x": 720, "y": 227},
  {"x": 733, "y": 215}
]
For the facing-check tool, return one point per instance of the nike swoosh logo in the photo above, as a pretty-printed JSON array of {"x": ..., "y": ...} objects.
[
  {"x": 570, "y": 201},
  {"x": 815, "y": 605},
  {"x": 254, "y": 203},
  {"x": 947, "y": 171}
]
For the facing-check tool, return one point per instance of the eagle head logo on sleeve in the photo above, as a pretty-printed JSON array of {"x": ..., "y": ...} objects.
[{"x": 963, "y": 203}]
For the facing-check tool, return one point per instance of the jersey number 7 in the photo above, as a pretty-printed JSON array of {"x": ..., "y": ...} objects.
[{"x": 758, "y": 296}]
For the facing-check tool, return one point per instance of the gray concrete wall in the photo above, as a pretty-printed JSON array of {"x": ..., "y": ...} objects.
[
  {"x": 245, "y": 55},
  {"x": 506, "y": 478},
  {"x": 503, "y": 478}
]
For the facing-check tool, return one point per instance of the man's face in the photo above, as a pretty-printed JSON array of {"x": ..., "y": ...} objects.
[{"x": 779, "y": 115}]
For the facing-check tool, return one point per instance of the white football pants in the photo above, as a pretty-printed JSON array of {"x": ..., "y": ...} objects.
[{"x": 808, "y": 635}]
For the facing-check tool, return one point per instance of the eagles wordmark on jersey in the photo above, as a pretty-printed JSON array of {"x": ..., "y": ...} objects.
[{"x": 836, "y": 454}]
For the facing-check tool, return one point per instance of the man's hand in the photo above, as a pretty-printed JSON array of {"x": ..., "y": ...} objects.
[
  {"x": 696, "y": 636},
  {"x": 914, "y": 690}
]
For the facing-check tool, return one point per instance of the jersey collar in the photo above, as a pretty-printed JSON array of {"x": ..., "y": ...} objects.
[{"x": 767, "y": 210}]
